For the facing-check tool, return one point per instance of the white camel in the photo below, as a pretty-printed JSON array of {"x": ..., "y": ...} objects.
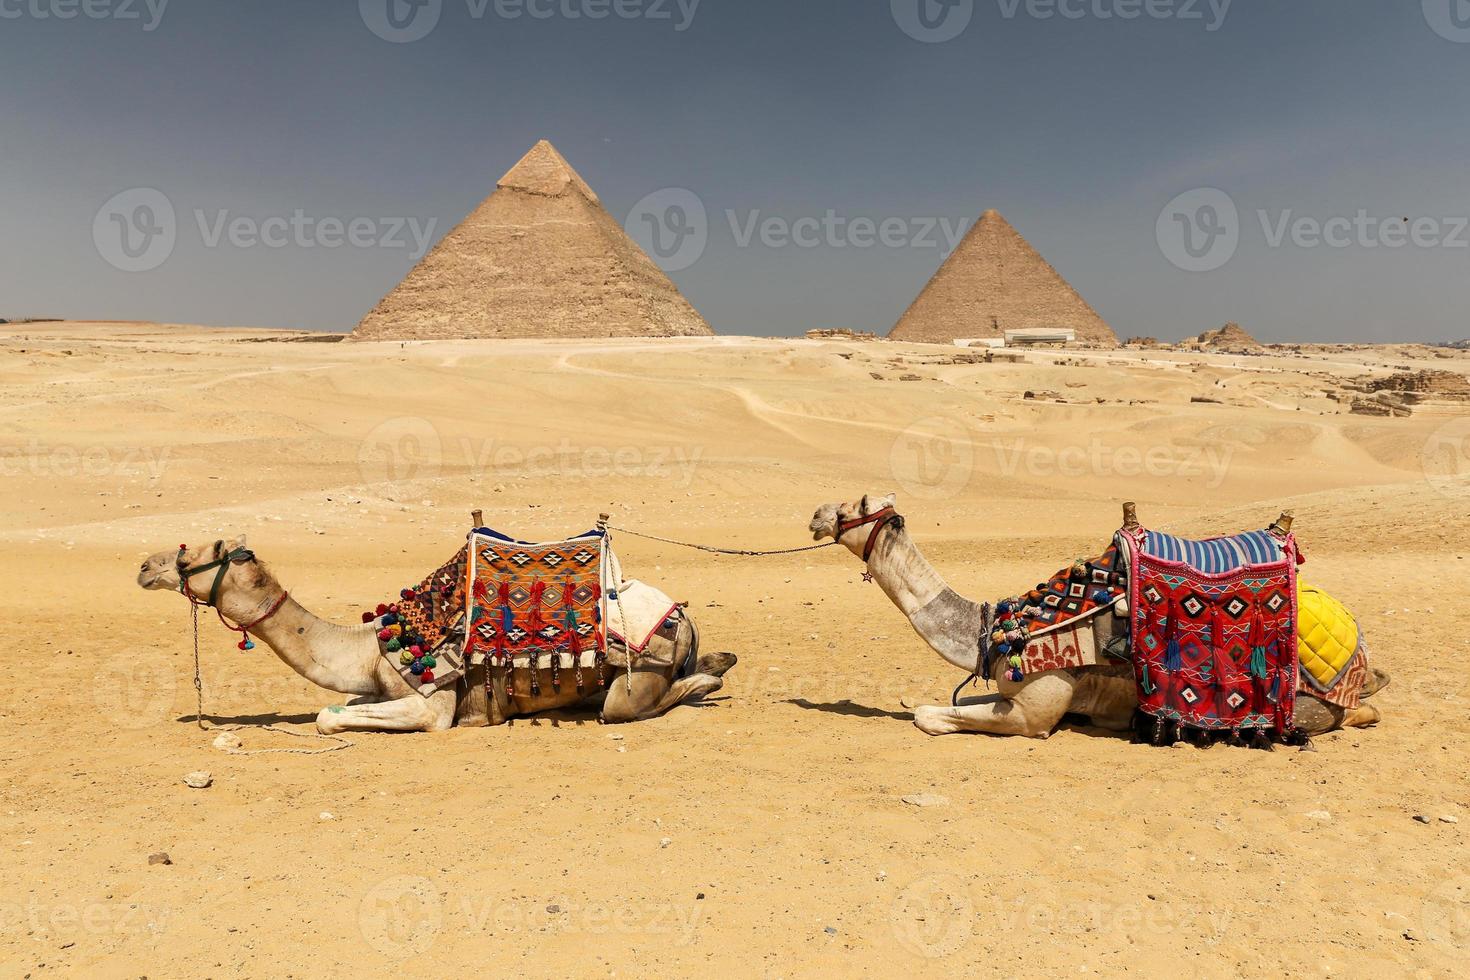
[
  {"x": 951, "y": 625},
  {"x": 346, "y": 659}
]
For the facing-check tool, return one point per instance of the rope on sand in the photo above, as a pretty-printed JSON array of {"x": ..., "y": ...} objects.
[{"x": 342, "y": 743}]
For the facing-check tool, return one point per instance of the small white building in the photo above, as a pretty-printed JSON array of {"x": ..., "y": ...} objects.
[{"x": 1040, "y": 336}]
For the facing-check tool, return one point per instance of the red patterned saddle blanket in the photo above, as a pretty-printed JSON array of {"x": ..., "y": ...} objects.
[{"x": 1213, "y": 628}]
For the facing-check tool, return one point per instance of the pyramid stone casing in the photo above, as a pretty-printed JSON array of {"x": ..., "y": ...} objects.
[
  {"x": 540, "y": 257},
  {"x": 994, "y": 282}
]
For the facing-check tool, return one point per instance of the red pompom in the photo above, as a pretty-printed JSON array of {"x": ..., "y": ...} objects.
[
  {"x": 382, "y": 609},
  {"x": 427, "y": 677},
  {"x": 241, "y": 644},
  {"x": 416, "y": 650},
  {"x": 385, "y": 634},
  {"x": 408, "y": 594},
  {"x": 368, "y": 617}
]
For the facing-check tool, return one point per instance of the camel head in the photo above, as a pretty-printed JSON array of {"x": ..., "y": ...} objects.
[
  {"x": 829, "y": 516},
  {"x": 161, "y": 570}
]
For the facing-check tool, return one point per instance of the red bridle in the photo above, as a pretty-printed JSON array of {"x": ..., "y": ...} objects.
[{"x": 880, "y": 520}]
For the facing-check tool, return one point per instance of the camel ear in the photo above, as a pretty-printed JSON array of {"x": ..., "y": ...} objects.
[
  {"x": 235, "y": 544},
  {"x": 888, "y": 501},
  {"x": 863, "y": 506}
]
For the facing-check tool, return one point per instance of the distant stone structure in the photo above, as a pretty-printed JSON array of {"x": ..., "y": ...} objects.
[
  {"x": 540, "y": 257},
  {"x": 1414, "y": 393},
  {"x": 840, "y": 333},
  {"x": 995, "y": 282},
  {"x": 1229, "y": 337}
]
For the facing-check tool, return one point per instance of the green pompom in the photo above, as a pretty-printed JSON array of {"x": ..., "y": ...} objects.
[
  {"x": 394, "y": 645},
  {"x": 430, "y": 662}
]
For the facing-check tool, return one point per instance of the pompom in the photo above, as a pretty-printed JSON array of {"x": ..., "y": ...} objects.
[
  {"x": 407, "y": 595},
  {"x": 368, "y": 617},
  {"x": 431, "y": 661},
  {"x": 405, "y": 658},
  {"x": 416, "y": 668},
  {"x": 393, "y": 646},
  {"x": 427, "y": 676},
  {"x": 382, "y": 609},
  {"x": 385, "y": 634}
]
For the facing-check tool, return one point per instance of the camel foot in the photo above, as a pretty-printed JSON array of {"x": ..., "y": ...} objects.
[
  {"x": 715, "y": 664},
  {"x": 1376, "y": 681},
  {"x": 1363, "y": 716}
]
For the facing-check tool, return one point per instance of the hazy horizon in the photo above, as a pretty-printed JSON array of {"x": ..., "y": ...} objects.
[{"x": 1181, "y": 162}]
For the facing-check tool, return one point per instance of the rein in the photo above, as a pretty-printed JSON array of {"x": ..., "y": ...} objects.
[{"x": 223, "y": 564}]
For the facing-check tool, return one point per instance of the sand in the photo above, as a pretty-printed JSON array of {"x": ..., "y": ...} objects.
[{"x": 765, "y": 833}]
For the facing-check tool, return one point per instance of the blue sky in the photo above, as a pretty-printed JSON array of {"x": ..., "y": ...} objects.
[{"x": 270, "y": 128}]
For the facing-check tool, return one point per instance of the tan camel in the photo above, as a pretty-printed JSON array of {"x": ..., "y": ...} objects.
[
  {"x": 346, "y": 659},
  {"x": 951, "y": 624}
]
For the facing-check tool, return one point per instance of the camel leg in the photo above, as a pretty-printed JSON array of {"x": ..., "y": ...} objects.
[
  {"x": 1033, "y": 711},
  {"x": 1363, "y": 716},
  {"x": 653, "y": 695},
  {"x": 408, "y": 714}
]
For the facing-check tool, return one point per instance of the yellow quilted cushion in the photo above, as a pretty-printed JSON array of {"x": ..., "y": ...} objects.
[{"x": 1327, "y": 635}]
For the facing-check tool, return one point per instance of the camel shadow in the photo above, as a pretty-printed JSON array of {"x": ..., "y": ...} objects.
[
  {"x": 850, "y": 709},
  {"x": 267, "y": 719}
]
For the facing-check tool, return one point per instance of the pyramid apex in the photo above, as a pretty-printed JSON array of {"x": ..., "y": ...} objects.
[{"x": 545, "y": 171}]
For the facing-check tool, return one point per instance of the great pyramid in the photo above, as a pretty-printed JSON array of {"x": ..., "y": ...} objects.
[
  {"x": 540, "y": 257},
  {"x": 994, "y": 282}
]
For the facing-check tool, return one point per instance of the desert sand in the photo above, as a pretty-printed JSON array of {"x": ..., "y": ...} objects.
[{"x": 763, "y": 834}]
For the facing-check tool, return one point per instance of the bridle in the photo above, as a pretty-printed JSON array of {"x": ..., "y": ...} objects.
[
  {"x": 222, "y": 565},
  {"x": 883, "y": 518}
]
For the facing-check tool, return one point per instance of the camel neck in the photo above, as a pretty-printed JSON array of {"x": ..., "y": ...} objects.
[
  {"x": 338, "y": 658},
  {"x": 947, "y": 621}
]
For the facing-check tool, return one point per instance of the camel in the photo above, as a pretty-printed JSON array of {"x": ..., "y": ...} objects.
[
  {"x": 346, "y": 659},
  {"x": 950, "y": 624}
]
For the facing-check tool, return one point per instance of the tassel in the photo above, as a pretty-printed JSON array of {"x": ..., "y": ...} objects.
[
  {"x": 1172, "y": 659},
  {"x": 1148, "y": 685},
  {"x": 538, "y": 595}
]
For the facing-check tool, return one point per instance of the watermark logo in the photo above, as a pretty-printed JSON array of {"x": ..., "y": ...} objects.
[
  {"x": 934, "y": 917},
  {"x": 1199, "y": 230},
  {"x": 1209, "y": 462},
  {"x": 933, "y": 459},
  {"x": 136, "y": 230},
  {"x": 134, "y": 689},
  {"x": 932, "y": 21},
  {"x": 1450, "y": 19},
  {"x": 401, "y": 21},
  {"x": 400, "y": 449},
  {"x": 672, "y": 226},
  {"x": 401, "y": 916},
  {"x": 1446, "y": 458},
  {"x": 148, "y": 13}
]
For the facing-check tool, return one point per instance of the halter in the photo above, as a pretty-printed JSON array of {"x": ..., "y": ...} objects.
[
  {"x": 187, "y": 572},
  {"x": 880, "y": 520}
]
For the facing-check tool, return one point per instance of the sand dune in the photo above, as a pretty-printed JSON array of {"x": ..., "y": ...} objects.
[{"x": 536, "y": 848}]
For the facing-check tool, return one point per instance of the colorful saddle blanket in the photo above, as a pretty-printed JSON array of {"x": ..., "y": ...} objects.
[
  {"x": 537, "y": 606},
  {"x": 1214, "y": 628},
  {"x": 1051, "y": 627},
  {"x": 421, "y": 632}
]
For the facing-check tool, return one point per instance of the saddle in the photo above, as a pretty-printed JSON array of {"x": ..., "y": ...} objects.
[{"x": 1213, "y": 627}]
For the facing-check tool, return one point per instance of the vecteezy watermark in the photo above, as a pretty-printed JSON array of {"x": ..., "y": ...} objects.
[
  {"x": 937, "y": 21},
  {"x": 36, "y": 458},
  {"x": 1450, "y": 19},
  {"x": 1200, "y": 230},
  {"x": 138, "y": 229},
  {"x": 402, "y": 917},
  {"x": 47, "y": 919},
  {"x": 1445, "y": 912},
  {"x": 134, "y": 689},
  {"x": 1446, "y": 457},
  {"x": 1209, "y": 462},
  {"x": 1210, "y": 13},
  {"x": 147, "y": 13},
  {"x": 936, "y": 916},
  {"x": 405, "y": 21},
  {"x": 410, "y": 448},
  {"x": 673, "y": 226},
  {"x": 933, "y": 459},
  {"x": 932, "y": 21}
]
